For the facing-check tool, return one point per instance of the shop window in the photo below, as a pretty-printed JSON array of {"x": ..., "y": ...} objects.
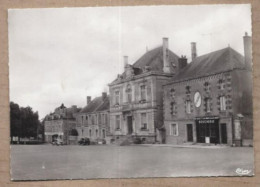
[
  {"x": 188, "y": 106},
  {"x": 117, "y": 122},
  {"x": 143, "y": 121},
  {"x": 174, "y": 129},
  {"x": 222, "y": 103}
]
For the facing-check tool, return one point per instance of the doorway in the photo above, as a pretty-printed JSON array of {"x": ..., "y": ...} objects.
[
  {"x": 189, "y": 133},
  {"x": 130, "y": 124},
  {"x": 223, "y": 128}
]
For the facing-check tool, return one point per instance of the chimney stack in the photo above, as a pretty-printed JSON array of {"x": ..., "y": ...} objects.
[
  {"x": 166, "y": 64},
  {"x": 182, "y": 62},
  {"x": 104, "y": 95},
  {"x": 193, "y": 51},
  {"x": 248, "y": 51},
  {"x": 88, "y": 99}
]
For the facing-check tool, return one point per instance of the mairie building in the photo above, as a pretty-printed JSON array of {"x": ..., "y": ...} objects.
[
  {"x": 136, "y": 95},
  {"x": 210, "y": 99}
]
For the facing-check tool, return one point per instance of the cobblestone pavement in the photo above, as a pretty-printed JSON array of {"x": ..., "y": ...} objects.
[{"x": 41, "y": 162}]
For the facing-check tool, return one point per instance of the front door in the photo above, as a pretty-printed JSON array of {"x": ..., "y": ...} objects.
[
  {"x": 129, "y": 124},
  {"x": 223, "y": 133},
  {"x": 189, "y": 133}
]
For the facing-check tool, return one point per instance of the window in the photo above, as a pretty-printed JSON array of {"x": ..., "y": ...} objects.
[
  {"x": 222, "y": 103},
  {"x": 174, "y": 129},
  {"x": 129, "y": 93},
  {"x": 221, "y": 84},
  {"x": 188, "y": 106},
  {"x": 172, "y": 93},
  {"x": 105, "y": 118},
  {"x": 99, "y": 118},
  {"x": 117, "y": 98},
  {"x": 143, "y": 121},
  {"x": 93, "y": 119},
  {"x": 206, "y": 87},
  {"x": 82, "y": 119},
  {"x": 96, "y": 133},
  {"x": 207, "y": 100},
  {"x": 173, "y": 108},
  {"x": 117, "y": 122},
  {"x": 86, "y": 119},
  {"x": 143, "y": 94},
  {"x": 187, "y": 89},
  {"x": 90, "y": 133}
]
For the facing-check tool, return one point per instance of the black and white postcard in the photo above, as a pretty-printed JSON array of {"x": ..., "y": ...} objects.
[{"x": 131, "y": 92}]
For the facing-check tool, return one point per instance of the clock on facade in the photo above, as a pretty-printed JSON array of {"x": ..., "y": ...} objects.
[{"x": 197, "y": 99}]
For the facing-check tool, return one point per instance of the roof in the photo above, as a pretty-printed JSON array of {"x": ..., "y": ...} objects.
[
  {"x": 212, "y": 63},
  {"x": 97, "y": 104},
  {"x": 154, "y": 59}
]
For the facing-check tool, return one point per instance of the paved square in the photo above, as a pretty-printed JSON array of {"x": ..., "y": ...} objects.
[{"x": 41, "y": 162}]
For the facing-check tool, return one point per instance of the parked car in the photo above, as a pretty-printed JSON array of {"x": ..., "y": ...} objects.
[
  {"x": 101, "y": 141},
  {"x": 57, "y": 142},
  {"x": 84, "y": 141}
]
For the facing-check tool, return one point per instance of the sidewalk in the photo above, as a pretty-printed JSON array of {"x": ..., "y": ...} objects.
[{"x": 207, "y": 146}]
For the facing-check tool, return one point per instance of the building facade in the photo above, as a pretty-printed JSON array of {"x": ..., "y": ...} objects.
[
  {"x": 93, "y": 119},
  {"x": 136, "y": 105},
  {"x": 210, "y": 99},
  {"x": 59, "y": 124}
]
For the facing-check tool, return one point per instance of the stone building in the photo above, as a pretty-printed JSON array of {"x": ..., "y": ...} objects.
[
  {"x": 93, "y": 119},
  {"x": 210, "y": 99},
  {"x": 136, "y": 105},
  {"x": 59, "y": 124}
]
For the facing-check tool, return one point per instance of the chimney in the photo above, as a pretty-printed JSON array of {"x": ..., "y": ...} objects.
[
  {"x": 248, "y": 51},
  {"x": 88, "y": 99},
  {"x": 104, "y": 95},
  {"x": 166, "y": 64},
  {"x": 182, "y": 62},
  {"x": 125, "y": 61},
  {"x": 193, "y": 51}
]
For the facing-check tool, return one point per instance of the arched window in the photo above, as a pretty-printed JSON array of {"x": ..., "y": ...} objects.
[{"x": 129, "y": 93}]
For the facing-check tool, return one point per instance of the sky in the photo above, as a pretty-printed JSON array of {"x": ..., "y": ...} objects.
[{"x": 62, "y": 55}]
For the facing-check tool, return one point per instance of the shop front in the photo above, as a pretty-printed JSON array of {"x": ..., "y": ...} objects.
[{"x": 207, "y": 130}]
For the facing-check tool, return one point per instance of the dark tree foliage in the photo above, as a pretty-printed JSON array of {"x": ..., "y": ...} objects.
[{"x": 24, "y": 121}]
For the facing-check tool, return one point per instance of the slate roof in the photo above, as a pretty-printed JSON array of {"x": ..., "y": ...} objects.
[
  {"x": 212, "y": 63},
  {"x": 97, "y": 104},
  {"x": 154, "y": 59}
]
